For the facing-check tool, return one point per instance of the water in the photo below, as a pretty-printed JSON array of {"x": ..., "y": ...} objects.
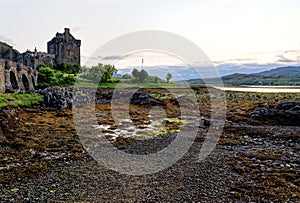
[{"x": 266, "y": 89}]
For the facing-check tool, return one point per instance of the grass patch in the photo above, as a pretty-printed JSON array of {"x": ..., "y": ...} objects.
[
  {"x": 113, "y": 83},
  {"x": 16, "y": 100}
]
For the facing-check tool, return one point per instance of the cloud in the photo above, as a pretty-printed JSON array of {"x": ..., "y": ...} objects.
[
  {"x": 283, "y": 59},
  {"x": 112, "y": 57},
  {"x": 7, "y": 40},
  {"x": 76, "y": 28},
  {"x": 234, "y": 61},
  {"x": 292, "y": 51}
]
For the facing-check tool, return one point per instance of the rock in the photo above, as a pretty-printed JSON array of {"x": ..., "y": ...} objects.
[
  {"x": 57, "y": 98},
  {"x": 9, "y": 119},
  {"x": 207, "y": 122},
  {"x": 286, "y": 105},
  {"x": 286, "y": 112},
  {"x": 140, "y": 98}
]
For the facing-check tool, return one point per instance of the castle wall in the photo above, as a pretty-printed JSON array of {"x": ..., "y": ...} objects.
[
  {"x": 2, "y": 76},
  {"x": 65, "y": 48},
  {"x": 17, "y": 77}
]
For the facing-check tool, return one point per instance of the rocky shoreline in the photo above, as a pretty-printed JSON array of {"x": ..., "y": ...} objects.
[{"x": 43, "y": 159}]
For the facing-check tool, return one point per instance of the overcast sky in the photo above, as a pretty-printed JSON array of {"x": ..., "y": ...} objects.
[{"x": 228, "y": 31}]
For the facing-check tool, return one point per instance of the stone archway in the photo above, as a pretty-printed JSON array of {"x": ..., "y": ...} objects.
[
  {"x": 25, "y": 82},
  {"x": 13, "y": 81},
  {"x": 33, "y": 81}
]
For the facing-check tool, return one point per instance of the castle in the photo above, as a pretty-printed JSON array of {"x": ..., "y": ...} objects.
[{"x": 18, "y": 71}]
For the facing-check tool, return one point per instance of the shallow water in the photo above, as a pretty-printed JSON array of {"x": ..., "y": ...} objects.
[{"x": 265, "y": 89}]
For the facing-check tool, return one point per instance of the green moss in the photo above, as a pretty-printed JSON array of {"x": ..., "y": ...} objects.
[
  {"x": 16, "y": 100},
  {"x": 176, "y": 120}
]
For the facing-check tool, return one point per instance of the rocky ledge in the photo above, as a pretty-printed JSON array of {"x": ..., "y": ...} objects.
[{"x": 285, "y": 113}]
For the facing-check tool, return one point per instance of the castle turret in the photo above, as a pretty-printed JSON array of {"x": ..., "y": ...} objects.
[{"x": 65, "y": 48}]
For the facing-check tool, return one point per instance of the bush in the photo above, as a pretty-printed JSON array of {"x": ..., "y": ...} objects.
[
  {"x": 101, "y": 73},
  {"x": 67, "y": 68},
  {"x": 46, "y": 75},
  {"x": 140, "y": 75},
  {"x": 54, "y": 77}
]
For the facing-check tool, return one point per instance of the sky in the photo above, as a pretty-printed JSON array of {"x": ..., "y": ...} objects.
[{"x": 233, "y": 33}]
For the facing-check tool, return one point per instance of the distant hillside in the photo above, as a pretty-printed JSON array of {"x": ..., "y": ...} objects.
[
  {"x": 5, "y": 47},
  {"x": 289, "y": 71},
  {"x": 279, "y": 76},
  {"x": 244, "y": 79},
  {"x": 7, "y": 52}
]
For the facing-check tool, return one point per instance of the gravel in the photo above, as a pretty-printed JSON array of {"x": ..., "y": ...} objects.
[{"x": 86, "y": 180}]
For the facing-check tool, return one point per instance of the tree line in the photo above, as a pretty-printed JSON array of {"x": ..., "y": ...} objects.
[{"x": 65, "y": 75}]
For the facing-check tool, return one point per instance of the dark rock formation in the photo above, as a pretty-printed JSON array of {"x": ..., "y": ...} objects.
[
  {"x": 66, "y": 97},
  {"x": 140, "y": 98},
  {"x": 286, "y": 112},
  {"x": 57, "y": 98}
]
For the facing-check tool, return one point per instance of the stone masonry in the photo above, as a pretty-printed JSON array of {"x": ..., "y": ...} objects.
[
  {"x": 16, "y": 77},
  {"x": 18, "y": 71},
  {"x": 65, "y": 48}
]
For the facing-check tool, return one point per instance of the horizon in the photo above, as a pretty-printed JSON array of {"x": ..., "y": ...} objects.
[{"x": 264, "y": 36}]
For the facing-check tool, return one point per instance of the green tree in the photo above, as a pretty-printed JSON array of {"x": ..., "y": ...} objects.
[
  {"x": 67, "y": 68},
  {"x": 168, "y": 77},
  {"x": 101, "y": 72},
  {"x": 126, "y": 76},
  {"x": 109, "y": 70},
  {"x": 143, "y": 75},
  {"x": 139, "y": 75},
  {"x": 46, "y": 75},
  {"x": 68, "y": 79},
  {"x": 135, "y": 73}
]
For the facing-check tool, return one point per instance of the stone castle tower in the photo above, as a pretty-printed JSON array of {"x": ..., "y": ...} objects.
[
  {"x": 65, "y": 48},
  {"x": 18, "y": 71}
]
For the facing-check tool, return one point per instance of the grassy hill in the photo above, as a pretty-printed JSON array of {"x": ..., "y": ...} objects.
[
  {"x": 289, "y": 75},
  {"x": 5, "y": 47},
  {"x": 289, "y": 71}
]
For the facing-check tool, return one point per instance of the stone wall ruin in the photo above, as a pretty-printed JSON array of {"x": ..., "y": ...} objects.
[{"x": 16, "y": 77}]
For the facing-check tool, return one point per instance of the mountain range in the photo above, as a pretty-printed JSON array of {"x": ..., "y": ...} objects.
[
  {"x": 289, "y": 71},
  {"x": 289, "y": 75}
]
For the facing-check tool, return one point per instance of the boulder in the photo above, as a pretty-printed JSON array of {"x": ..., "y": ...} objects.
[{"x": 285, "y": 113}]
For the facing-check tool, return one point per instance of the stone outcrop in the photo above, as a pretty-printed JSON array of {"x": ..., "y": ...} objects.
[
  {"x": 57, "y": 98},
  {"x": 286, "y": 112},
  {"x": 16, "y": 77}
]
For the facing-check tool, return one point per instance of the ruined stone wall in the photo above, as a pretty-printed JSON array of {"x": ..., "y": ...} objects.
[
  {"x": 17, "y": 77},
  {"x": 2, "y": 76}
]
